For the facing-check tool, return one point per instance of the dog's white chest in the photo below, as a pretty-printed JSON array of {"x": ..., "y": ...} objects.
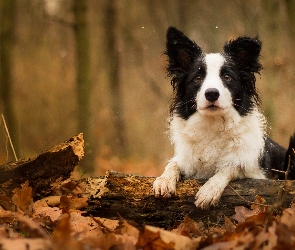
[{"x": 203, "y": 146}]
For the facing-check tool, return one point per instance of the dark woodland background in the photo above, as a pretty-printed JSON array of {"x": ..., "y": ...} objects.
[{"x": 97, "y": 67}]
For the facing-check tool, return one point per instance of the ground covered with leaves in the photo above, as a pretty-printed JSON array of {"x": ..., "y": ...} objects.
[{"x": 58, "y": 222}]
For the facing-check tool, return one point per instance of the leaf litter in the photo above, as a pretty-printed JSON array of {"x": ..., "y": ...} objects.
[{"x": 57, "y": 222}]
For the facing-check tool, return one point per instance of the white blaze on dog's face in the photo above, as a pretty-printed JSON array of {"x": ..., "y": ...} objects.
[{"x": 213, "y": 97}]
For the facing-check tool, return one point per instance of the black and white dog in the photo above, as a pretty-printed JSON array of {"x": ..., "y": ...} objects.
[{"x": 216, "y": 127}]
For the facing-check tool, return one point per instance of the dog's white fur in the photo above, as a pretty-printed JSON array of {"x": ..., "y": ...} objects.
[{"x": 217, "y": 144}]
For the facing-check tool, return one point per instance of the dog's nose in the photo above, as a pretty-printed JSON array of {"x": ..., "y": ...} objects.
[{"x": 212, "y": 94}]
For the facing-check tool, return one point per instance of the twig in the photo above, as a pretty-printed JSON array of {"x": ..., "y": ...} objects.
[
  {"x": 288, "y": 168},
  {"x": 250, "y": 202},
  {"x": 286, "y": 173},
  {"x": 108, "y": 230},
  {"x": 9, "y": 138},
  {"x": 6, "y": 146}
]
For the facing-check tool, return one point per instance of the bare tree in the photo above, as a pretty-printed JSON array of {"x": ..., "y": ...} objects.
[
  {"x": 83, "y": 79},
  {"x": 7, "y": 20}
]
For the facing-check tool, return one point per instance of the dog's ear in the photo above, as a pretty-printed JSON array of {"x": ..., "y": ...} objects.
[
  {"x": 245, "y": 51},
  {"x": 181, "y": 51}
]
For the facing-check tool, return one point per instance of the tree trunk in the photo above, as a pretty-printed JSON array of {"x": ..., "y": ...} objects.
[
  {"x": 83, "y": 78},
  {"x": 131, "y": 197},
  {"x": 113, "y": 52},
  {"x": 43, "y": 170},
  {"x": 7, "y": 18}
]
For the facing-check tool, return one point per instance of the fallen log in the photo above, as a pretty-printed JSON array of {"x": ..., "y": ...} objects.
[
  {"x": 43, "y": 170},
  {"x": 131, "y": 197}
]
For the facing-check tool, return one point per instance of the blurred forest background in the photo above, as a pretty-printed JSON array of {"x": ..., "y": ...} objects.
[{"x": 97, "y": 67}]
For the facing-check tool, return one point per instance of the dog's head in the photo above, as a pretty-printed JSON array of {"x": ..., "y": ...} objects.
[{"x": 212, "y": 84}]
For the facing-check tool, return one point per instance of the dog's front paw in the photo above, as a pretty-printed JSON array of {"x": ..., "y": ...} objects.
[
  {"x": 208, "y": 195},
  {"x": 164, "y": 187}
]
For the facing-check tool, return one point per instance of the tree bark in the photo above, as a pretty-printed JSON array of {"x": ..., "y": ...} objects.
[
  {"x": 131, "y": 197},
  {"x": 43, "y": 170}
]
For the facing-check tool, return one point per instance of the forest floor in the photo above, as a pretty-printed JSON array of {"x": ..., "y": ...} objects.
[{"x": 59, "y": 222}]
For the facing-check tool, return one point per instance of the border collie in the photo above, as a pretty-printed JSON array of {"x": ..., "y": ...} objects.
[{"x": 216, "y": 127}]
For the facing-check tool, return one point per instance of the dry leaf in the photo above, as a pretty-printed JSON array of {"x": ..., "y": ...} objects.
[
  {"x": 229, "y": 225},
  {"x": 242, "y": 213},
  {"x": 128, "y": 230},
  {"x": 70, "y": 188},
  {"x": 70, "y": 202},
  {"x": 111, "y": 225},
  {"x": 52, "y": 201},
  {"x": 259, "y": 200},
  {"x": 260, "y": 219},
  {"x": 6, "y": 203},
  {"x": 188, "y": 228},
  {"x": 22, "y": 198},
  {"x": 42, "y": 210},
  {"x": 62, "y": 238},
  {"x": 286, "y": 228},
  {"x": 25, "y": 244},
  {"x": 267, "y": 239},
  {"x": 89, "y": 230},
  {"x": 29, "y": 228},
  {"x": 6, "y": 216},
  {"x": 156, "y": 238}
]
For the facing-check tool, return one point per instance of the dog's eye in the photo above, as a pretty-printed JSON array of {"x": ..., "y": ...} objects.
[
  {"x": 198, "y": 79},
  {"x": 227, "y": 77}
]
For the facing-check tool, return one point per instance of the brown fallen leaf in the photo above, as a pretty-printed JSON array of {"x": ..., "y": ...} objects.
[
  {"x": 229, "y": 225},
  {"x": 29, "y": 228},
  {"x": 156, "y": 238},
  {"x": 285, "y": 229},
  {"x": 244, "y": 241},
  {"x": 6, "y": 203},
  {"x": 52, "y": 201},
  {"x": 22, "y": 198},
  {"x": 266, "y": 239},
  {"x": 62, "y": 238},
  {"x": 7, "y": 216},
  {"x": 70, "y": 202},
  {"x": 260, "y": 219},
  {"x": 188, "y": 228},
  {"x": 109, "y": 224},
  {"x": 68, "y": 187},
  {"x": 93, "y": 233},
  {"x": 128, "y": 230},
  {"x": 241, "y": 213},
  {"x": 25, "y": 244},
  {"x": 42, "y": 211}
]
